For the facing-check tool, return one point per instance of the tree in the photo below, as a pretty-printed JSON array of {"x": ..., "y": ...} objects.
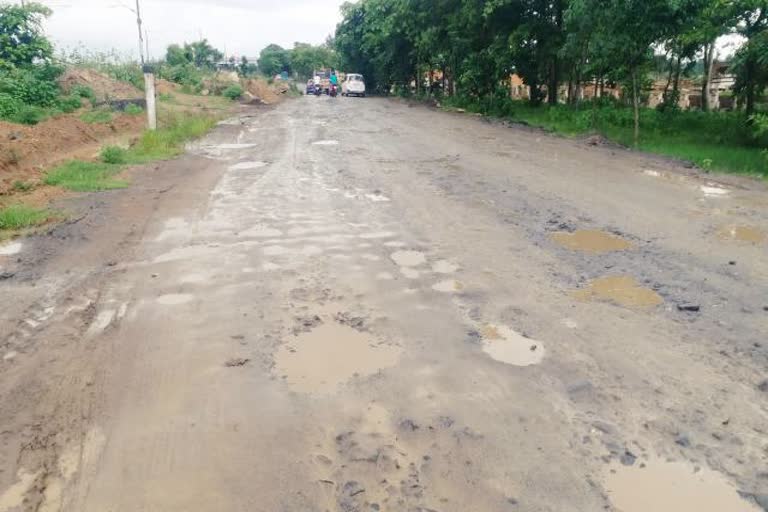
[
  {"x": 273, "y": 60},
  {"x": 203, "y": 54},
  {"x": 751, "y": 61},
  {"x": 22, "y": 42},
  {"x": 175, "y": 55},
  {"x": 305, "y": 58}
]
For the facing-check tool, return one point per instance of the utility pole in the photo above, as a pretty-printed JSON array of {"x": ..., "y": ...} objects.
[{"x": 141, "y": 33}]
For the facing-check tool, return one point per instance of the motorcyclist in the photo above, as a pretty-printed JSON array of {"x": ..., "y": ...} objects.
[{"x": 334, "y": 79}]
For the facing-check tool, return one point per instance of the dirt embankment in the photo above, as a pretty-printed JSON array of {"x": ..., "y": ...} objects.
[{"x": 104, "y": 87}]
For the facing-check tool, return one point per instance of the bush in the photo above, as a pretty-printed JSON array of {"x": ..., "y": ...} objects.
[
  {"x": 69, "y": 104},
  {"x": 83, "y": 91},
  {"x": 9, "y": 105},
  {"x": 114, "y": 155},
  {"x": 233, "y": 92},
  {"x": 133, "y": 109},
  {"x": 35, "y": 85},
  {"x": 30, "y": 114}
]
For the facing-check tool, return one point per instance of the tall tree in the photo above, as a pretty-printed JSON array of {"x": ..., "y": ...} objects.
[
  {"x": 22, "y": 42},
  {"x": 274, "y": 59}
]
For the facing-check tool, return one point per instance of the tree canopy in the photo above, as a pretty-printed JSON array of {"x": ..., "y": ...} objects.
[{"x": 22, "y": 42}]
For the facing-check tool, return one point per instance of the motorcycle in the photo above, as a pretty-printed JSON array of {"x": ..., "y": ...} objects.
[{"x": 334, "y": 91}]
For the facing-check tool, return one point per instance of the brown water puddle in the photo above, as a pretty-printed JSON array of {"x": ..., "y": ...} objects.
[
  {"x": 591, "y": 241},
  {"x": 743, "y": 234},
  {"x": 671, "y": 487},
  {"x": 507, "y": 346},
  {"x": 622, "y": 290},
  {"x": 320, "y": 360}
]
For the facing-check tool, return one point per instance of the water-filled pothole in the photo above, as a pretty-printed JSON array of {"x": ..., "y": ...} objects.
[
  {"x": 622, "y": 290},
  {"x": 409, "y": 258},
  {"x": 508, "y": 346},
  {"x": 743, "y": 234},
  {"x": 659, "y": 486},
  {"x": 320, "y": 360}
]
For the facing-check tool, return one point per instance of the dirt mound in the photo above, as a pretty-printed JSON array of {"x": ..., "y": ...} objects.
[
  {"x": 164, "y": 86},
  {"x": 259, "y": 91},
  {"x": 105, "y": 87},
  {"x": 26, "y": 150}
]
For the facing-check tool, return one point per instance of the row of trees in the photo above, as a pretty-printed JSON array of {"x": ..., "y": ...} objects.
[
  {"x": 301, "y": 60},
  {"x": 478, "y": 44}
]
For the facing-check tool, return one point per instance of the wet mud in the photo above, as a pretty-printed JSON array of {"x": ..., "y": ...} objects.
[{"x": 622, "y": 290}]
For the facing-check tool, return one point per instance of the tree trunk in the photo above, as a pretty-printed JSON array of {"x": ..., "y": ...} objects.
[
  {"x": 554, "y": 82},
  {"x": 636, "y": 101},
  {"x": 751, "y": 90},
  {"x": 709, "y": 54}
]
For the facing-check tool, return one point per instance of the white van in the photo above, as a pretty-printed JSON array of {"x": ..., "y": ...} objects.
[{"x": 354, "y": 85}]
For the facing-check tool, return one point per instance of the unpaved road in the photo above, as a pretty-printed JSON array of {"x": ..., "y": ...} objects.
[{"x": 355, "y": 305}]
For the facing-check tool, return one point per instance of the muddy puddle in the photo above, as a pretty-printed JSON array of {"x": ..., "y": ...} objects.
[
  {"x": 409, "y": 258},
  {"x": 508, "y": 346},
  {"x": 743, "y": 234},
  {"x": 591, "y": 241},
  {"x": 671, "y": 487},
  {"x": 622, "y": 290},
  {"x": 330, "y": 355}
]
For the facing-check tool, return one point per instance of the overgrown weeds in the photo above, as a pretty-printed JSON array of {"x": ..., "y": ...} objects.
[
  {"x": 100, "y": 116},
  {"x": 16, "y": 217},
  {"x": 81, "y": 176}
]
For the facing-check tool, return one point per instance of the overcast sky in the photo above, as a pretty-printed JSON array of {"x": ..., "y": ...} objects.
[{"x": 239, "y": 27}]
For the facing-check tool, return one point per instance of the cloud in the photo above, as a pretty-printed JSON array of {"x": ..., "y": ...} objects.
[{"x": 239, "y": 27}]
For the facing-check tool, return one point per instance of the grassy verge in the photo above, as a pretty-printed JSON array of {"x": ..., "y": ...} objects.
[
  {"x": 161, "y": 144},
  {"x": 18, "y": 217},
  {"x": 716, "y": 141},
  {"x": 97, "y": 116},
  {"x": 85, "y": 176}
]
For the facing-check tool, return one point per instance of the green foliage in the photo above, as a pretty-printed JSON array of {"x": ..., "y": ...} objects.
[
  {"x": 169, "y": 141},
  {"x": 83, "y": 91},
  {"x": 305, "y": 59},
  {"x": 17, "y": 217},
  {"x": 273, "y": 60},
  {"x": 69, "y": 104},
  {"x": 33, "y": 85},
  {"x": 133, "y": 110},
  {"x": 30, "y": 114},
  {"x": 81, "y": 176},
  {"x": 233, "y": 92},
  {"x": 99, "y": 116},
  {"x": 114, "y": 155},
  {"x": 199, "y": 54},
  {"x": 22, "y": 42}
]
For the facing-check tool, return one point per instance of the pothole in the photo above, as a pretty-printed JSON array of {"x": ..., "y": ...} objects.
[
  {"x": 591, "y": 241},
  {"x": 444, "y": 267},
  {"x": 326, "y": 143},
  {"x": 508, "y": 346},
  {"x": 409, "y": 258},
  {"x": 622, "y": 290},
  {"x": 714, "y": 191},
  {"x": 671, "y": 487},
  {"x": 743, "y": 234},
  {"x": 320, "y": 360}
]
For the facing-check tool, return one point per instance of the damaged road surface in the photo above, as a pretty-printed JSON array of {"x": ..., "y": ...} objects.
[{"x": 341, "y": 305}]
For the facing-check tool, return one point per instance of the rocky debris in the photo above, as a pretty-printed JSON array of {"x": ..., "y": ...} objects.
[
  {"x": 355, "y": 322},
  {"x": 6, "y": 275},
  {"x": 350, "y": 496},
  {"x": 237, "y": 362},
  {"x": 628, "y": 458},
  {"x": 605, "y": 428},
  {"x": 682, "y": 440},
  {"x": 763, "y": 386},
  {"x": 596, "y": 140},
  {"x": 689, "y": 308},
  {"x": 307, "y": 323},
  {"x": 408, "y": 425}
]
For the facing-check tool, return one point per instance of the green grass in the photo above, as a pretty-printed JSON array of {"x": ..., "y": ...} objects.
[
  {"x": 161, "y": 144},
  {"x": 97, "y": 116},
  {"x": 16, "y": 217},
  {"x": 168, "y": 141},
  {"x": 716, "y": 141},
  {"x": 85, "y": 176}
]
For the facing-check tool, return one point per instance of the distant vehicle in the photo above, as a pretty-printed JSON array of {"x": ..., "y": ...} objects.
[
  {"x": 334, "y": 91},
  {"x": 325, "y": 79},
  {"x": 354, "y": 85},
  {"x": 311, "y": 88}
]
